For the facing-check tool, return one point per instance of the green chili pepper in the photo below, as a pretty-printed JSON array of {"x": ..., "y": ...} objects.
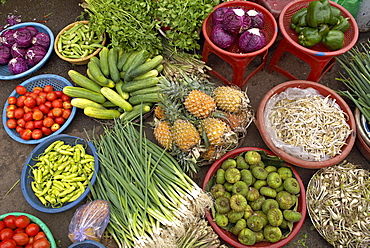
[
  {"x": 309, "y": 37},
  {"x": 297, "y": 15},
  {"x": 343, "y": 24},
  {"x": 318, "y": 12},
  {"x": 333, "y": 40},
  {"x": 324, "y": 29}
]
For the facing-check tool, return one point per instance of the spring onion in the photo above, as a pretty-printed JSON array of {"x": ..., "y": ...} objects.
[{"x": 152, "y": 200}]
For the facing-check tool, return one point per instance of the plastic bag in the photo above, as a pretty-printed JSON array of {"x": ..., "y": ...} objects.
[
  {"x": 353, "y": 6},
  {"x": 89, "y": 221}
]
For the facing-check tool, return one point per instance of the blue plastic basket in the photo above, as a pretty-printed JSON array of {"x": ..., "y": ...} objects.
[
  {"x": 39, "y": 222},
  {"x": 87, "y": 244},
  {"x": 26, "y": 177},
  {"x": 58, "y": 84},
  {"x": 4, "y": 71}
]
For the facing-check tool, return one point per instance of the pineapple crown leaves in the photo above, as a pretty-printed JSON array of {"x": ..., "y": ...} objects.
[{"x": 187, "y": 160}]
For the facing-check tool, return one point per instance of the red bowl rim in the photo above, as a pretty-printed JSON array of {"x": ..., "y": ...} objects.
[
  {"x": 225, "y": 234},
  {"x": 243, "y": 3},
  {"x": 346, "y": 149}
]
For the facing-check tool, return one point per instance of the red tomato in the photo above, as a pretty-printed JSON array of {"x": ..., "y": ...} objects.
[
  {"x": 38, "y": 124},
  {"x": 20, "y": 89},
  {"x": 37, "y": 115},
  {"x": 36, "y": 134},
  {"x": 20, "y": 101},
  {"x": 48, "y": 122},
  {"x": 32, "y": 229},
  {"x": 11, "y": 123},
  {"x": 29, "y": 125},
  {"x": 66, "y": 113},
  {"x": 29, "y": 245},
  {"x": 22, "y": 221},
  {"x": 48, "y": 88},
  {"x": 30, "y": 239},
  {"x": 50, "y": 114},
  {"x": 66, "y": 98},
  {"x": 11, "y": 107},
  {"x": 67, "y": 105},
  {"x": 59, "y": 93},
  {"x": 26, "y": 134},
  {"x": 55, "y": 127},
  {"x": 27, "y": 109},
  {"x": 10, "y": 114},
  {"x": 46, "y": 131},
  {"x": 30, "y": 102},
  {"x": 44, "y": 109},
  {"x": 41, "y": 243},
  {"x": 19, "y": 230},
  {"x": 39, "y": 235},
  {"x": 33, "y": 95},
  {"x": 40, "y": 100},
  {"x": 9, "y": 221},
  {"x": 2, "y": 225},
  {"x": 20, "y": 238},
  {"x": 21, "y": 122},
  {"x": 48, "y": 104},
  {"x": 37, "y": 88},
  {"x": 19, "y": 129},
  {"x": 58, "y": 103},
  {"x": 12, "y": 100},
  {"x": 43, "y": 94},
  {"x": 18, "y": 113},
  {"x": 51, "y": 96},
  {"x": 57, "y": 112},
  {"x": 6, "y": 233},
  {"x": 60, "y": 120},
  {"x": 8, "y": 243},
  {"x": 27, "y": 116}
]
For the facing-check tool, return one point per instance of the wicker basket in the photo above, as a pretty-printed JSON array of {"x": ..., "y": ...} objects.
[{"x": 81, "y": 61}]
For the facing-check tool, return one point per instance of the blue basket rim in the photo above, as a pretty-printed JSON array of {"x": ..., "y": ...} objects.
[
  {"x": 42, "y": 62},
  {"x": 26, "y": 168},
  {"x": 13, "y": 134},
  {"x": 86, "y": 242}
]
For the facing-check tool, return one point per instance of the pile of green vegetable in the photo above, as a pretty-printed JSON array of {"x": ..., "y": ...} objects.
[{"x": 320, "y": 22}]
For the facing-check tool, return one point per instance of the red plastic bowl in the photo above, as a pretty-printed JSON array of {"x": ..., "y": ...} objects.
[
  {"x": 230, "y": 238},
  {"x": 324, "y": 91}
]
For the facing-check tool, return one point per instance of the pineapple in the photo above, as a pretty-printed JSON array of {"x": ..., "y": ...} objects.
[
  {"x": 230, "y": 99},
  {"x": 238, "y": 122},
  {"x": 199, "y": 104},
  {"x": 159, "y": 112},
  {"x": 216, "y": 130},
  {"x": 185, "y": 135},
  {"x": 162, "y": 133},
  {"x": 211, "y": 153}
]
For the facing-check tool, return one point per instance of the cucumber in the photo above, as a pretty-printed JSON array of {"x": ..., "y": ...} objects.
[
  {"x": 108, "y": 104},
  {"x": 129, "y": 60},
  {"x": 151, "y": 73},
  {"x": 96, "y": 60},
  {"x": 122, "y": 74},
  {"x": 112, "y": 61},
  {"x": 82, "y": 103},
  {"x": 136, "y": 111},
  {"x": 80, "y": 92},
  {"x": 115, "y": 98},
  {"x": 101, "y": 113},
  {"x": 145, "y": 91},
  {"x": 143, "y": 68},
  {"x": 139, "y": 59},
  {"x": 150, "y": 97},
  {"x": 104, "y": 64},
  {"x": 97, "y": 75},
  {"x": 83, "y": 81},
  {"x": 140, "y": 84},
  {"x": 122, "y": 60},
  {"x": 160, "y": 68},
  {"x": 125, "y": 95}
]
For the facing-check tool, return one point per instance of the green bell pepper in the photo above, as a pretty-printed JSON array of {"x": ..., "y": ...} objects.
[
  {"x": 323, "y": 29},
  {"x": 309, "y": 37},
  {"x": 296, "y": 28},
  {"x": 343, "y": 24},
  {"x": 297, "y": 15},
  {"x": 333, "y": 40},
  {"x": 335, "y": 14},
  {"x": 318, "y": 12}
]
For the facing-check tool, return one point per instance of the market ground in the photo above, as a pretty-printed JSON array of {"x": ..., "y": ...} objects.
[{"x": 56, "y": 14}]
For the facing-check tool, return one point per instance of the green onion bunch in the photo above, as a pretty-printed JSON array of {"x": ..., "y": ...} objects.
[
  {"x": 356, "y": 63},
  {"x": 152, "y": 201}
]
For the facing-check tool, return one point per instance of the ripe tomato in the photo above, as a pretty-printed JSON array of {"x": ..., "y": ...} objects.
[
  {"x": 51, "y": 96},
  {"x": 43, "y": 94},
  {"x": 12, "y": 100},
  {"x": 18, "y": 113},
  {"x": 19, "y": 129},
  {"x": 66, "y": 113},
  {"x": 9, "y": 221},
  {"x": 40, "y": 100},
  {"x": 8, "y": 243},
  {"x": 55, "y": 127},
  {"x": 2, "y": 225},
  {"x": 67, "y": 105},
  {"x": 22, "y": 221},
  {"x": 37, "y": 115},
  {"x": 48, "y": 104},
  {"x": 26, "y": 134},
  {"x": 30, "y": 240},
  {"x": 27, "y": 116},
  {"x": 65, "y": 98},
  {"x": 60, "y": 120},
  {"x": 11, "y": 107},
  {"x": 41, "y": 243},
  {"x": 6, "y": 233},
  {"x": 19, "y": 230},
  {"x": 38, "y": 124},
  {"x": 48, "y": 122},
  {"x": 39, "y": 235},
  {"x": 20, "y": 238},
  {"x": 30, "y": 102},
  {"x": 11, "y": 123},
  {"x": 44, "y": 109},
  {"x": 29, "y": 125},
  {"x": 59, "y": 93},
  {"x": 33, "y": 95},
  {"x": 37, "y": 89},
  {"x": 48, "y": 88},
  {"x": 20, "y": 89},
  {"x": 10, "y": 114},
  {"x": 58, "y": 103},
  {"x": 36, "y": 134},
  {"x": 27, "y": 109},
  {"x": 29, "y": 245},
  {"x": 20, "y": 101},
  {"x": 46, "y": 131},
  {"x": 57, "y": 112},
  {"x": 32, "y": 229},
  {"x": 21, "y": 122}
]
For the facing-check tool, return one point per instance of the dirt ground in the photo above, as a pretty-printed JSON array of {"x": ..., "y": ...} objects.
[{"x": 56, "y": 15}]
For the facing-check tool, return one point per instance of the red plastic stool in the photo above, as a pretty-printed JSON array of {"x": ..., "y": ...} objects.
[
  {"x": 239, "y": 61},
  {"x": 318, "y": 57}
]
